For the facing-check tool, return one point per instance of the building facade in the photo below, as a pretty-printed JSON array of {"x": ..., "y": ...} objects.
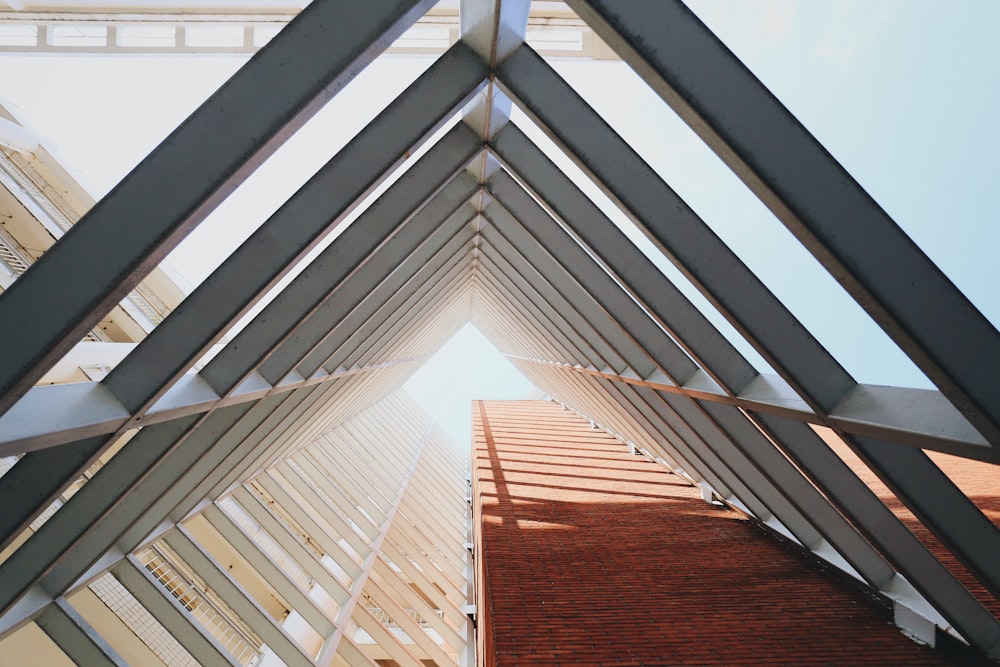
[{"x": 244, "y": 482}]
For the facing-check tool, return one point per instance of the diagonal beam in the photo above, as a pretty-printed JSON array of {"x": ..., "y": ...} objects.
[
  {"x": 918, "y": 418},
  {"x": 349, "y": 251},
  {"x": 812, "y": 194},
  {"x": 172, "y": 614},
  {"x": 707, "y": 440},
  {"x": 939, "y": 504},
  {"x": 78, "y": 640},
  {"x": 236, "y": 363},
  {"x": 637, "y": 273},
  {"x": 219, "y": 579},
  {"x": 676, "y": 229},
  {"x": 204, "y": 160},
  {"x": 299, "y": 224},
  {"x": 148, "y": 373},
  {"x": 412, "y": 248},
  {"x": 386, "y": 299}
]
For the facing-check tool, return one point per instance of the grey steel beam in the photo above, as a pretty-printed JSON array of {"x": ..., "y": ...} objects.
[
  {"x": 918, "y": 418},
  {"x": 203, "y": 160},
  {"x": 523, "y": 310},
  {"x": 313, "y": 468},
  {"x": 642, "y": 329},
  {"x": 42, "y": 550},
  {"x": 257, "y": 508},
  {"x": 676, "y": 229},
  {"x": 201, "y": 473},
  {"x": 515, "y": 315},
  {"x": 236, "y": 598},
  {"x": 413, "y": 247},
  {"x": 558, "y": 299},
  {"x": 121, "y": 498},
  {"x": 749, "y": 497},
  {"x": 566, "y": 341},
  {"x": 386, "y": 299},
  {"x": 414, "y": 311},
  {"x": 502, "y": 280},
  {"x": 885, "y": 531},
  {"x": 408, "y": 250},
  {"x": 84, "y": 529},
  {"x": 813, "y": 195},
  {"x": 171, "y": 614},
  {"x": 395, "y": 329},
  {"x": 244, "y": 460},
  {"x": 275, "y": 576},
  {"x": 637, "y": 274},
  {"x": 492, "y": 30},
  {"x": 426, "y": 312},
  {"x": 314, "y": 510},
  {"x": 566, "y": 254},
  {"x": 939, "y": 504},
  {"x": 460, "y": 141},
  {"x": 298, "y": 225},
  {"x": 800, "y": 491},
  {"x": 77, "y": 639},
  {"x": 396, "y": 205},
  {"x": 36, "y": 481},
  {"x": 156, "y": 363},
  {"x": 880, "y": 527},
  {"x": 53, "y": 415},
  {"x": 334, "y": 508},
  {"x": 591, "y": 300}
]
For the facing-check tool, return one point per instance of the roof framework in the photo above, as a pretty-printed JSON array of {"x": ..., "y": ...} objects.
[{"x": 484, "y": 227}]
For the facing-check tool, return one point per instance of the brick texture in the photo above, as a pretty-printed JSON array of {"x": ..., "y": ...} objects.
[{"x": 588, "y": 555}]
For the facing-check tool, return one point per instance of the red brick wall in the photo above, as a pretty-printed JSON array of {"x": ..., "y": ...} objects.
[{"x": 588, "y": 555}]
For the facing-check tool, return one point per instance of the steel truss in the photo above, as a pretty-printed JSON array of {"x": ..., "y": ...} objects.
[{"x": 283, "y": 453}]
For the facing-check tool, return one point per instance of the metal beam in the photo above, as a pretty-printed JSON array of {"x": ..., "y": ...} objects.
[
  {"x": 171, "y": 614},
  {"x": 887, "y": 533},
  {"x": 300, "y": 223},
  {"x": 77, "y": 639},
  {"x": 348, "y": 251},
  {"x": 410, "y": 249},
  {"x": 939, "y": 504},
  {"x": 385, "y": 300},
  {"x": 275, "y": 576},
  {"x": 813, "y": 195},
  {"x": 637, "y": 273},
  {"x": 219, "y": 580},
  {"x": 204, "y": 160},
  {"x": 787, "y": 346},
  {"x": 676, "y": 229}
]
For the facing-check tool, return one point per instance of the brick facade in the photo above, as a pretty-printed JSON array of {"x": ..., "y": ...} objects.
[{"x": 591, "y": 556}]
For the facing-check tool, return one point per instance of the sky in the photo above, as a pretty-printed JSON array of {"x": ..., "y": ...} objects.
[{"x": 904, "y": 93}]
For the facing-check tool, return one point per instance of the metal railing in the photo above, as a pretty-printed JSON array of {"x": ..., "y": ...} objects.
[{"x": 211, "y": 612}]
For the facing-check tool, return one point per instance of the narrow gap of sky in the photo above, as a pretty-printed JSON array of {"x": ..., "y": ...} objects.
[{"x": 466, "y": 368}]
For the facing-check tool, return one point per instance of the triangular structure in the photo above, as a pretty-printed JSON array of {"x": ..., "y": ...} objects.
[{"x": 481, "y": 226}]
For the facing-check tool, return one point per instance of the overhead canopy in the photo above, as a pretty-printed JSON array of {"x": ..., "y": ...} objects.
[{"x": 483, "y": 226}]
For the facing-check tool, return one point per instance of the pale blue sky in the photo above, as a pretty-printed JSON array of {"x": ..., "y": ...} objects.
[{"x": 903, "y": 92}]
